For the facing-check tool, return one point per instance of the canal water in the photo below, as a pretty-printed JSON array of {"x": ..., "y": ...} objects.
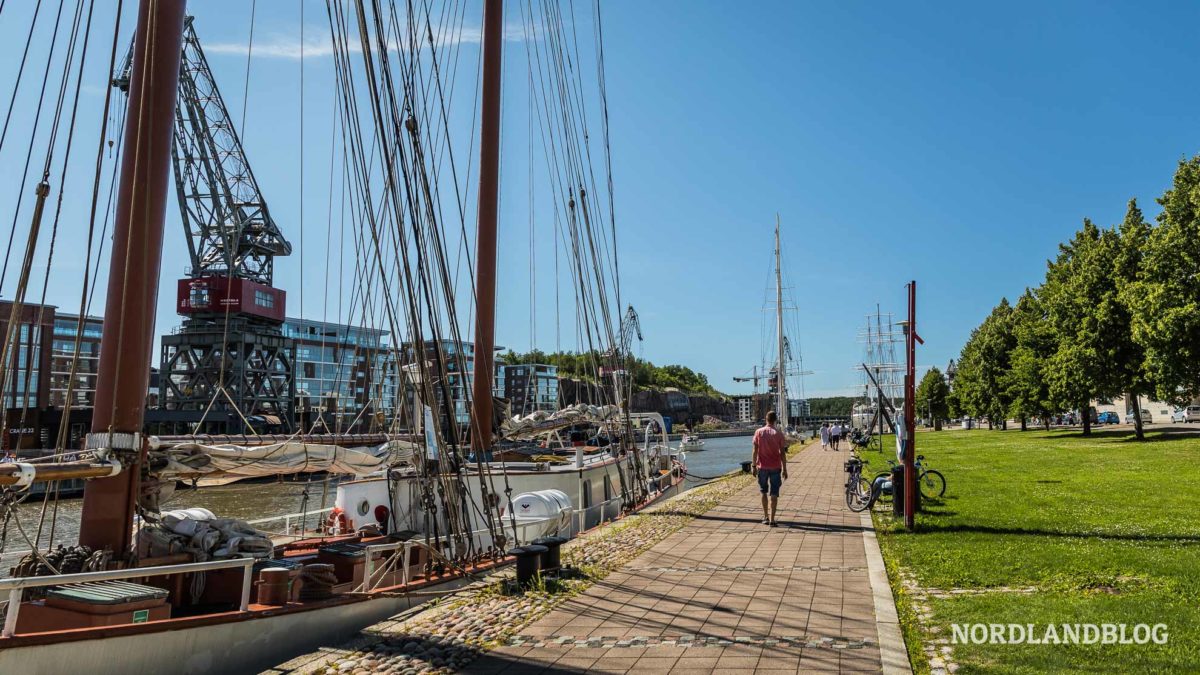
[
  {"x": 719, "y": 456},
  {"x": 249, "y": 501}
]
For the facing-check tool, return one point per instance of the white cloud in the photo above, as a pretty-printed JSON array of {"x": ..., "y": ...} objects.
[{"x": 281, "y": 46}]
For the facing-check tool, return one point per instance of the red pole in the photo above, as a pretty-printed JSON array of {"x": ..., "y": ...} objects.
[
  {"x": 485, "y": 237},
  {"x": 127, "y": 346},
  {"x": 910, "y": 426}
]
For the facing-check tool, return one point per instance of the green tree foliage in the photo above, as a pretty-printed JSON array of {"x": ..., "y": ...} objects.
[
  {"x": 831, "y": 406},
  {"x": 1078, "y": 297},
  {"x": 1165, "y": 297},
  {"x": 1026, "y": 384},
  {"x": 983, "y": 367},
  {"x": 931, "y": 397}
]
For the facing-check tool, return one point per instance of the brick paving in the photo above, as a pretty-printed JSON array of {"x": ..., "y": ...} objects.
[{"x": 724, "y": 594}]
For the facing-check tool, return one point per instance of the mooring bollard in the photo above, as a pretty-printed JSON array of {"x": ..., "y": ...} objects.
[
  {"x": 552, "y": 558},
  {"x": 529, "y": 562},
  {"x": 745, "y": 467}
]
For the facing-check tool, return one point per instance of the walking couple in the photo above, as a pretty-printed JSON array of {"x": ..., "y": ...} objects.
[
  {"x": 831, "y": 435},
  {"x": 769, "y": 463}
]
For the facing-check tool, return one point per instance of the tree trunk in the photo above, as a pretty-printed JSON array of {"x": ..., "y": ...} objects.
[
  {"x": 1024, "y": 423},
  {"x": 1087, "y": 419},
  {"x": 1139, "y": 431},
  {"x": 1046, "y": 421},
  {"x": 937, "y": 424}
]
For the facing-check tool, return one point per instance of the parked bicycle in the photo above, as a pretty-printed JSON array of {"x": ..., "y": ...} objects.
[
  {"x": 930, "y": 482},
  {"x": 859, "y": 495}
]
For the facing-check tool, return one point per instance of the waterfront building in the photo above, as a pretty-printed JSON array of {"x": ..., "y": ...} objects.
[
  {"x": 745, "y": 408},
  {"x": 457, "y": 383},
  {"x": 342, "y": 372},
  {"x": 529, "y": 387},
  {"x": 77, "y": 347}
]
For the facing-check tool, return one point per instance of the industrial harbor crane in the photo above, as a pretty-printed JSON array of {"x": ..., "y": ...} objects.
[{"x": 230, "y": 355}]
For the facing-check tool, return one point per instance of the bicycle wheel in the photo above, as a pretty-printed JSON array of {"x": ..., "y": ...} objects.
[
  {"x": 858, "y": 494},
  {"x": 932, "y": 484}
]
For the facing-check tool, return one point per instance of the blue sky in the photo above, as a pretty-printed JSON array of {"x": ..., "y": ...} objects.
[{"x": 954, "y": 144}]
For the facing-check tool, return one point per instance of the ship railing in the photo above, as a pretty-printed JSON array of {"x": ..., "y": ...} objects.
[
  {"x": 289, "y": 518},
  {"x": 16, "y": 586}
]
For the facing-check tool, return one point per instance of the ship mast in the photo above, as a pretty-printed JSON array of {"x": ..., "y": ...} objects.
[
  {"x": 127, "y": 346},
  {"x": 781, "y": 408},
  {"x": 485, "y": 237}
]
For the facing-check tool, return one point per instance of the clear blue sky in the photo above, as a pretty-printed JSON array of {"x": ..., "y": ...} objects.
[{"x": 956, "y": 144}]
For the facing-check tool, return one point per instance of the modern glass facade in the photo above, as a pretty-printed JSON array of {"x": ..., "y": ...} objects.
[
  {"x": 343, "y": 369},
  {"x": 459, "y": 378},
  {"x": 81, "y": 350},
  {"x": 528, "y": 387}
]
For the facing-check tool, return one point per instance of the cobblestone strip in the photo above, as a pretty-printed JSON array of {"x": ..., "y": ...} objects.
[{"x": 794, "y": 641}]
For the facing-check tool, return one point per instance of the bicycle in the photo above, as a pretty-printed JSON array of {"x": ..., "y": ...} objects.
[
  {"x": 930, "y": 482},
  {"x": 859, "y": 495}
]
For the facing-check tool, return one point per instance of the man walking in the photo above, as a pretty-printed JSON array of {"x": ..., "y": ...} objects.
[
  {"x": 835, "y": 435},
  {"x": 770, "y": 465}
]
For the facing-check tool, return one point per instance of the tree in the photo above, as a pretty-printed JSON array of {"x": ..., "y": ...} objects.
[
  {"x": 1028, "y": 389},
  {"x": 983, "y": 365},
  {"x": 1078, "y": 284},
  {"x": 1165, "y": 297},
  {"x": 931, "y": 397},
  {"x": 1127, "y": 353}
]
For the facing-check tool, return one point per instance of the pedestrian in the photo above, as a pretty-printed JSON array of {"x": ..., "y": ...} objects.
[
  {"x": 825, "y": 436},
  {"x": 770, "y": 465},
  {"x": 835, "y": 435}
]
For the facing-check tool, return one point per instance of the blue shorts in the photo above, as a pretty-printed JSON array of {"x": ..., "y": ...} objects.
[{"x": 769, "y": 481}]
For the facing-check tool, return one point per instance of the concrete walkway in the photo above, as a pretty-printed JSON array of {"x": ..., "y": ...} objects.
[{"x": 728, "y": 594}]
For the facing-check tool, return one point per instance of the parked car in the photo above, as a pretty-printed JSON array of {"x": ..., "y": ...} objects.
[
  {"x": 1191, "y": 414},
  {"x": 1146, "y": 419},
  {"x": 1108, "y": 417},
  {"x": 1179, "y": 415}
]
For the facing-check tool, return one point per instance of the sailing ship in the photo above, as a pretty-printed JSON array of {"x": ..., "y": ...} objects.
[{"x": 163, "y": 590}]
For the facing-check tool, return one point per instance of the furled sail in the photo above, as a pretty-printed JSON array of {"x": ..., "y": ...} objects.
[
  {"x": 542, "y": 422},
  {"x": 227, "y": 463}
]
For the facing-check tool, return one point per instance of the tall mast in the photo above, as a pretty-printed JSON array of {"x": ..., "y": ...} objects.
[
  {"x": 485, "y": 237},
  {"x": 781, "y": 374},
  {"x": 128, "y": 342}
]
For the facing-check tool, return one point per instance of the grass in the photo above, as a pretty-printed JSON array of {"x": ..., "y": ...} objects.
[{"x": 1101, "y": 528}]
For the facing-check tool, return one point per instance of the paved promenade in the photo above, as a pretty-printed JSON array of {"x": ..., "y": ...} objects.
[{"x": 727, "y": 594}]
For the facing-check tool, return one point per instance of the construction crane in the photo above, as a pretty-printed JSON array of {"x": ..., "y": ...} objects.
[
  {"x": 630, "y": 325},
  {"x": 617, "y": 357},
  {"x": 230, "y": 355}
]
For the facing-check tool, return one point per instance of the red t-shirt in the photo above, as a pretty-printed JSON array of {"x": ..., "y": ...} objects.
[{"x": 769, "y": 441}]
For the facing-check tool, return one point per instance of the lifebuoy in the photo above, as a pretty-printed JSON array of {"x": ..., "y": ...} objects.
[{"x": 337, "y": 523}]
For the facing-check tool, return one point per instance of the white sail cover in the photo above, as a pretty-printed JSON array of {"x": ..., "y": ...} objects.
[
  {"x": 227, "y": 463},
  {"x": 542, "y": 422}
]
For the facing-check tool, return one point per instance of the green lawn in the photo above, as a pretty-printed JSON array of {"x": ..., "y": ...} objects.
[{"x": 1105, "y": 528}]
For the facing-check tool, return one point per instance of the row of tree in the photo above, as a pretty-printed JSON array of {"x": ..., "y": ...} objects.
[
  {"x": 646, "y": 375},
  {"x": 1117, "y": 314}
]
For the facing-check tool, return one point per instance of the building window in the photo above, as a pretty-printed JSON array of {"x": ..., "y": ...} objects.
[
  {"x": 264, "y": 299},
  {"x": 198, "y": 297}
]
